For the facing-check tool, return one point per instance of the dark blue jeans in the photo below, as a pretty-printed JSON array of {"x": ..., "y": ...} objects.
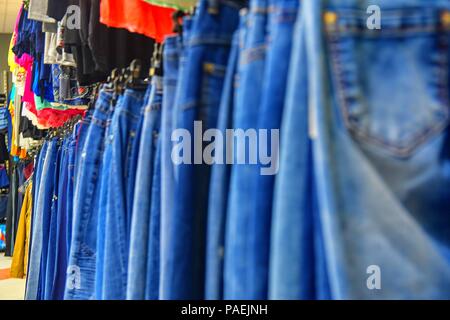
[
  {"x": 81, "y": 269},
  {"x": 241, "y": 277},
  {"x": 52, "y": 251},
  {"x": 65, "y": 203},
  {"x": 207, "y": 52},
  {"x": 220, "y": 183}
]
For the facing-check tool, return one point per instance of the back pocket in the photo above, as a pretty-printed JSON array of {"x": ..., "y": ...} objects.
[{"x": 392, "y": 83}]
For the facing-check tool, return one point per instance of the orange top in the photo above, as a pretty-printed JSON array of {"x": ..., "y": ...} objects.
[{"x": 137, "y": 16}]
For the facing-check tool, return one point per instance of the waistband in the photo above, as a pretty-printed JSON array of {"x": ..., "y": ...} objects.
[
  {"x": 102, "y": 108},
  {"x": 172, "y": 47},
  {"x": 132, "y": 103},
  {"x": 214, "y": 27}
]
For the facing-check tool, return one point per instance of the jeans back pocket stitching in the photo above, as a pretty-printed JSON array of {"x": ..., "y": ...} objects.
[{"x": 333, "y": 40}]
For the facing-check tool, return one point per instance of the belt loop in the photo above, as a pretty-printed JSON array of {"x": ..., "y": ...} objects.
[{"x": 213, "y": 7}]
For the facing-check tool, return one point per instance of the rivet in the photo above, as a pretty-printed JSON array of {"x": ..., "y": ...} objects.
[
  {"x": 208, "y": 67},
  {"x": 330, "y": 18},
  {"x": 445, "y": 18}
]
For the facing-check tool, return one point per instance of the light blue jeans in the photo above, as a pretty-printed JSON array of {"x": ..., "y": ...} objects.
[
  {"x": 141, "y": 221},
  {"x": 377, "y": 105},
  {"x": 36, "y": 244}
]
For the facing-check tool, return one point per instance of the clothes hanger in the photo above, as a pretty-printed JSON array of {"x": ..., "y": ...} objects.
[
  {"x": 134, "y": 80},
  {"x": 156, "y": 68}
]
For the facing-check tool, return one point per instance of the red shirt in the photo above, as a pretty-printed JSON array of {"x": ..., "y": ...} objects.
[{"x": 137, "y": 16}]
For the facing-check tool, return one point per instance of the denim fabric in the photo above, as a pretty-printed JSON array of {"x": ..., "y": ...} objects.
[
  {"x": 38, "y": 250},
  {"x": 143, "y": 198},
  {"x": 36, "y": 230},
  {"x": 48, "y": 221},
  {"x": 241, "y": 263},
  {"x": 220, "y": 180},
  {"x": 154, "y": 234},
  {"x": 81, "y": 140},
  {"x": 50, "y": 260},
  {"x": 125, "y": 143},
  {"x": 103, "y": 209},
  {"x": 380, "y": 164},
  {"x": 207, "y": 53},
  {"x": 72, "y": 169},
  {"x": 60, "y": 264},
  {"x": 81, "y": 269},
  {"x": 282, "y": 16},
  {"x": 171, "y": 59},
  {"x": 168, "y": 195},
  {"x": 292, "y": 258}
]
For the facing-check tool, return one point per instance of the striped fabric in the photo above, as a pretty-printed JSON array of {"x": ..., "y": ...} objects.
[{"x": 176, "y": 4}]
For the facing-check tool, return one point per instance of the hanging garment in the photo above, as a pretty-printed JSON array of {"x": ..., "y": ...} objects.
[
  {"x": 208, "y": 45},
  {"x": 143, "y": 264},
  {"x": 241, "y": 278},
  {"x": 137, "y": 16},
  {"x": 19, "y": 262},
  {"x": 56, "y": 9},
  {"x": 220, "y": 181},
  {"x": 12, "y": 211},
  {"x": 37, "y": 10},
  {"x": 176, "y": 4},
  {"x": 126, "y": 127},
  {"x": 82, "y": 258},
  {"x": 111, "y": 47}
]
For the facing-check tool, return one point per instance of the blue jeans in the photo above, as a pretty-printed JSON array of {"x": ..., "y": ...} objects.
[
  {"x": 39, "y": 249},
  {"x": 154, "y": 234},
  {"x": 207, "y": 53},
  {"x": 103, "y": 202},
  {"x": 38, "y": 165},
  {"x": 220, "y": 181},
  {"x": 293, "y": 232},
  {"x": 72, "y": 169},
  {"x": 125, "y": 147},
  {"x": 281, "y": 19},
  {"x": 52, "y": 251},
  {"x": 62, "y": 222},
  {"x": 143, "y": 198},
  {"x": 172, "y": 52},
  {"x": 81, "y": 269},
  {"x": 241, "y": 281},
  {"x": 36, "y": 229},
  {"x": 384, "y": 201},
  {"x": 168, "y": 191},
  {"x": 49, "y": 229}
]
